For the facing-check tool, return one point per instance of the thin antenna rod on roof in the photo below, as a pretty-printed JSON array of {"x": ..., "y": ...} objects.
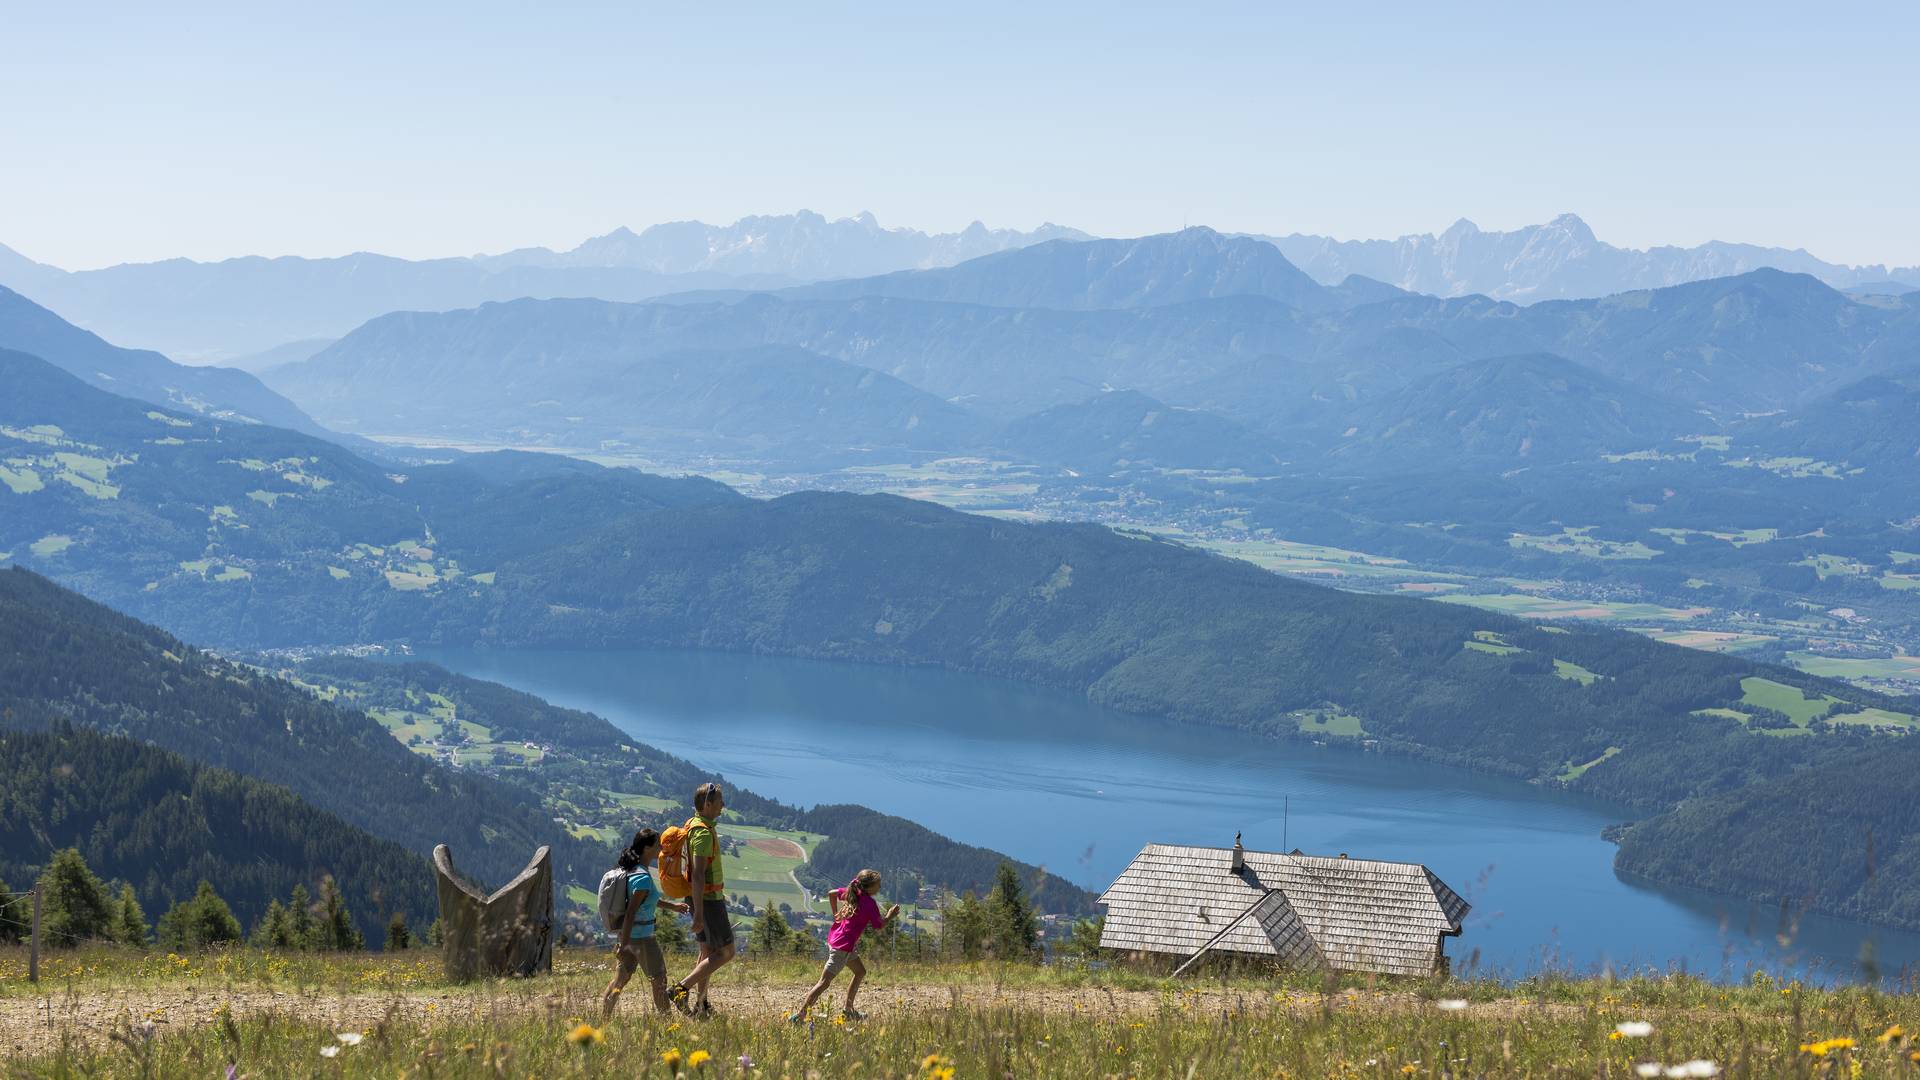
[{"x": 1286, "y": 814}]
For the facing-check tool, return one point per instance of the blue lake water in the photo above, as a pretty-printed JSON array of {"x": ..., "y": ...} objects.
[{"x": 1053, "y": 780}]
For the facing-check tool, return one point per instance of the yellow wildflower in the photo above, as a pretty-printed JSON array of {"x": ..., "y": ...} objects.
[
  {"x": 1407, "y": 1070},
  {"x": 586, "y": 1034},
  {"x": 671, "y": 1059},
  {"x": 698, "y": 1058},
  {"x": 1615, "y": 1034},
  {"x": 1896, "y": 1033},
  {"x": 1826, "y": 1046}
]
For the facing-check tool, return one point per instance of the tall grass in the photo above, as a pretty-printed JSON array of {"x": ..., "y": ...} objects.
[{"x": 979, "y": 1020}]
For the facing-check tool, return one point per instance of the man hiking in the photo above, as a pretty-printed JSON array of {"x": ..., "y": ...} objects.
[{"x": 711, "y": 927}]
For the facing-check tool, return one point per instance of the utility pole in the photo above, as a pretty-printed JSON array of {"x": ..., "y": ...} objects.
[{"x": 33, "y": 950}]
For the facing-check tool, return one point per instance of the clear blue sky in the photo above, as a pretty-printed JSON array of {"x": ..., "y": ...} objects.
[{"x": 426, "y": 129}]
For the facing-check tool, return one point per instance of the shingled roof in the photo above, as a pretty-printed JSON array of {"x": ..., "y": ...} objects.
[{"x": 1306, "y": 910}]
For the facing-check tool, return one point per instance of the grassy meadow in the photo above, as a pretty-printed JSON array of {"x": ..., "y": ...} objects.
[{"x": 119, "y": 1013}]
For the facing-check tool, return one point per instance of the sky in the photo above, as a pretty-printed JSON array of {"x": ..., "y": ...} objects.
[{"x": 140, "y": 132}]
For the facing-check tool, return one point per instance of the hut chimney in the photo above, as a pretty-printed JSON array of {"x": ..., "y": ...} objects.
[{"x": 1239, "y": 856}]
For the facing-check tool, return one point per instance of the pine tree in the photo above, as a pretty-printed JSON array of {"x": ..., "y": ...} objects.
[
  {"x": 13, "y": 924},
  {"x": 271, "y": 931},
  {"x": 398, "y": 936},
  {"x": 302, "y": 933},
  {"x": 672, "y": 934},
  {"x": 74, "y": 903},
  {"x": 1084, "y": 940},
  {"x": 963, "y": 928},
  {"x": 1013, "y": 928},
  {"x": 199, "y": 921},
  {"x": 771, "y": 932},
  {"x": 334, "y": 930},
  {"x": 130, "y": 922},
  {"x": 437, "y": 929}
]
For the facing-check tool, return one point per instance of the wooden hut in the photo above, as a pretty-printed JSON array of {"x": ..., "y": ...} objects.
[{"x": 1307, "y": 911}]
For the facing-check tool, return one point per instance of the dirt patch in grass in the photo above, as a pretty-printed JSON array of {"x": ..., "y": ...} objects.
[{"x": 779, "y": 849}]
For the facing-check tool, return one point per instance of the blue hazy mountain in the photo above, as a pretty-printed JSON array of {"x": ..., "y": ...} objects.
[
  {"x": 1561, "y": 259},
  {"x": 216, "y": 392},
  {"x": 585, "y": 373},
  {"x": 1150, "y": 271},
  {"x": 802, "y": 246},
  {"x": 1727, "y": 346},
  {"x": 204, "y": 311},
  {"x": 1511, "y": 411},
  {"x": 1126, "y": 428}
]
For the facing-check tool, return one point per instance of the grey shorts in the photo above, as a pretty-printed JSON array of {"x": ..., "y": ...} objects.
[
  {"x": 644, "y": 953},
  {"x": 836, "y": 960},
  {"x": 718, "y": 930}
]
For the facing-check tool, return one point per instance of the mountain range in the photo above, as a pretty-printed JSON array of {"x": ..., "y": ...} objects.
[
  {"x": 1193, "y": 320},
  {"x": 235, "y": 308},
  {"x": 1560, "y": 260}
]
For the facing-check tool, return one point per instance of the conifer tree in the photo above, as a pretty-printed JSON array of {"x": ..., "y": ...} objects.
[
  {"x": 12, "y": 923},
  {"x": 271, "y": 932},
  {"x": 398, "y": 936},
  {"x": 75, "y": 906},
  {"x": 771, "y": 932},
  {"x": 130, "y": 921},
  {"x": 1013, "y": 928},
  {"x": 964, "y": 930},
  {"x": 199, "y": 921},
  {"x": 301, "y": 931},
  {"x": 334, "y": 930}
]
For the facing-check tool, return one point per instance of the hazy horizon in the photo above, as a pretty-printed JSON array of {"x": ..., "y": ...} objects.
[{"x": 435, "y": 131}]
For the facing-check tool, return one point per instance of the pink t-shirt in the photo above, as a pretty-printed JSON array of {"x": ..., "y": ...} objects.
[{"x": 866, "y": 915}]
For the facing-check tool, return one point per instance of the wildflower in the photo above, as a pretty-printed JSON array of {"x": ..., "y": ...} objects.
[
  {"x": 1615, "y": 1035},
  {"x": 1699, "y": 1067},
  {"x": 1895, "y": 1034},
  {"x": 586, "y": 1034},
  {"x": 671, "y": 1059},
  {"x": 329, "y": 1051},
  {"x": 746, "y": 1062},
  {"x": 1825, "y": 1046},
  {"x": 1408, "y": 1069},
  {"x": 349, "y": 1038},
  {"x": 675, "y": 1026},
  {"x": 1633, "y": 1029},
  {"x": 1648, "y": 1069},
  {"x": 840, "y": 1020},
  {"x": 1451, "y": 1004},
  {"x": 698, "y": 1058}
]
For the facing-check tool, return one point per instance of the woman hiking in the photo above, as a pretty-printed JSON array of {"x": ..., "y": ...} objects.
[
  {"x": 636, "y": 945},
  {"x": 855, "y": 911}
]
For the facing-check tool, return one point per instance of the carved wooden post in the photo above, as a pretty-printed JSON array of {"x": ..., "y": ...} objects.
[{"x": 507, "y": 933}]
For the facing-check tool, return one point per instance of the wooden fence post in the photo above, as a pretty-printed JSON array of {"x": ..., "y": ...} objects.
[{"x": 33, "y": 950}]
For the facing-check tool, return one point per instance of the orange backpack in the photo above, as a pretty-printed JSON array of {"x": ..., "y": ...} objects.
[{"x": 675, "y": 864}]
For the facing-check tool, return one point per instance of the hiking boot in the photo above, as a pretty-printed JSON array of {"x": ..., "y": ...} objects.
[
  {"x": 854, "y": 1015},
  {"x": 796, "y": 1018},
  {"x": 677, "y": 994},
  {"x": 702, "y": 1011}
]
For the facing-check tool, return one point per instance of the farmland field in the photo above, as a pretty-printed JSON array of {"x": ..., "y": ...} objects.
[{"x": 1575, "y": 540}]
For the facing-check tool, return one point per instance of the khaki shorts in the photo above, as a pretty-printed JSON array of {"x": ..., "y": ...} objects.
[
  {"x": 644, "y": 952},
  {"x": 837, "y": 959}
]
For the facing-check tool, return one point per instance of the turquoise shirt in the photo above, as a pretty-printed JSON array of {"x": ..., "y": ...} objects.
[{"x": 641, "y": 881}]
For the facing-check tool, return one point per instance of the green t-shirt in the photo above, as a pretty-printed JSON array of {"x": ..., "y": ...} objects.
[{"x": 704, "y": 841}]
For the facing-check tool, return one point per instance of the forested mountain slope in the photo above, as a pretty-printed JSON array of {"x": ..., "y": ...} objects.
[
  {"x": 164, "y": 824},
  {"x": 66, "y": 658}
]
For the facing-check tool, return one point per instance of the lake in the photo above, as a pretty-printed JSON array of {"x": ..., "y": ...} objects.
[{"x": 1051, "y": 779}]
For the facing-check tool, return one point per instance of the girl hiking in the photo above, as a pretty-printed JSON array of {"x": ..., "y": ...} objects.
[
  {"x": 636, "y": 946},
  {"x": 855, "y": 911}
]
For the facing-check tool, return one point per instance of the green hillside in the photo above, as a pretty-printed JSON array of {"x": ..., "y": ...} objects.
[{"x": 164, "y": 824}]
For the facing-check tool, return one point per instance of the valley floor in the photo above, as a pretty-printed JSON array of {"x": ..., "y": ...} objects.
[{"x": 120, "y": 1014}]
